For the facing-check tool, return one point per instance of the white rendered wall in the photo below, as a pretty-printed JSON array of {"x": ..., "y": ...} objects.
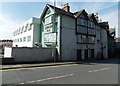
[{"x": 34, "y": 33}]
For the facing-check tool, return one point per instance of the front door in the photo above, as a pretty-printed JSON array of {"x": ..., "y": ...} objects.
[
  {"x": 92, "y": 53},
  {"x": 79, "y": 54},
  {"x": 86, "y": 54}
]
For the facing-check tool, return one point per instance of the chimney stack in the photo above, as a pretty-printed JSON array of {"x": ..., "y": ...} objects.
[
  {"x": 96, "y": 16},
  {"x": 66, "y": 7}
]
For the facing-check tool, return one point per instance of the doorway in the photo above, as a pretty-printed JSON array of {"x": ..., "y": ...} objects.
[
  {"x": 79, "y": 54},
  {"x": 92, "y": 53},
  {"x": 86, "y": 54}
]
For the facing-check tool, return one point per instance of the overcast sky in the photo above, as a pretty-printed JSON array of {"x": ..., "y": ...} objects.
[{"x": 13, "y": 14}]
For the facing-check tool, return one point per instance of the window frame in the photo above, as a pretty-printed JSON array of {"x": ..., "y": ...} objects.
[
  {"x": 89, "y": 39},
  {"x": 82, "y": 38},
  {"x": 28, "y": 38}
]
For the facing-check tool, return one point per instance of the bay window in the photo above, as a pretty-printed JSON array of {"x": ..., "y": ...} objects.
[
  {"x": 85, "y": 21},
  {"x": 81, "y": 21},
  {"x": 91, "y": 24},
  {"x": 82, "y": 38},
  {"x": 91, "y": 39}
]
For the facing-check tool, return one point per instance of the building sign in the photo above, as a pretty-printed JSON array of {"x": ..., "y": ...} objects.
[
  {"x": 48, "y": 28},
  {"x": 51, "y": 37}
]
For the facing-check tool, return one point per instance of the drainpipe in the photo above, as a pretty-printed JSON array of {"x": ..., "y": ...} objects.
[
  {"x": 87, "y": 41},
  {"x": 101, "y": 42}
]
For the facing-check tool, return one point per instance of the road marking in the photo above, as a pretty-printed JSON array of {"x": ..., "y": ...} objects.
[
  {"x": 38, "y": 67},
  {"x": 50, "y": 78},
  {"x": 100, "y": 69}
]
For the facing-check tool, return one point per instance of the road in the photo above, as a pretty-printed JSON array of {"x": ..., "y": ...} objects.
[{"x": 93, "y": 73}]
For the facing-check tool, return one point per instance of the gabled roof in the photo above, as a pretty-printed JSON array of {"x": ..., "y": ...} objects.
[
  {"x": 57, "y": 10},
  {"x": 61, "y": 11},
  {"x": 93, "y": 16},
  {"x": 76, "y": 14}
]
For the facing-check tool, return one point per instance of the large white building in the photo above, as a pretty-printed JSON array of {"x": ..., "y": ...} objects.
[{"x": 27, "y": 34}]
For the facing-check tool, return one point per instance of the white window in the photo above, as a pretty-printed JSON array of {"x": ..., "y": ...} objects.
[
  {"x": 20, "y": 39},
  {"x": 25, "y": 29},
  {"x": 22, "y": 30},
  {"x": 50, "y": 37},
  {"x": 24, "y": 39},
  {"x": 19, "y": 30},
  {"x": 16, "y": 33},
  {"x": 15, "y": 40},
  {"x": 54, "y": 18},
  {"x": 13, "y": 33},
  {"x": 48, "y": 20},
  {"x": 29, "y": 38},
  {"x": 29, "y": 27},
  {"x": 26, "y": 26}
]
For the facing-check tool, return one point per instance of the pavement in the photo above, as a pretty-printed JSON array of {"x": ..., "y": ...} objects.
[
  {"x": 16, "y": 66},
  {"x": 94, "y": 72},
  {"x": 92, "y": 61}
]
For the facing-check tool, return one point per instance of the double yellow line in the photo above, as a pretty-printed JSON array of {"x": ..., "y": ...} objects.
[{"x": 38, "y": 67}]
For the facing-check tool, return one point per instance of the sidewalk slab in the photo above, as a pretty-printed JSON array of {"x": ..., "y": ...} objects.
[{"x": 89, "y": 62}]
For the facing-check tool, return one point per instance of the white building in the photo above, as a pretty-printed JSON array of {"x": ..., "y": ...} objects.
[{"x": 27, "y": 34}]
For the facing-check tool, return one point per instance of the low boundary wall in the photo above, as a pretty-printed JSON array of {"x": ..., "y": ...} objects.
[{"x": 25, "y": 54}]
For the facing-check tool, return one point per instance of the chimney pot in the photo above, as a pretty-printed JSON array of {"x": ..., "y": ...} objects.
[{"x": 66, "y": 7}]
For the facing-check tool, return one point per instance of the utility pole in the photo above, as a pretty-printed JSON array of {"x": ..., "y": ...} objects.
[{"x": 53, "y": 51}]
